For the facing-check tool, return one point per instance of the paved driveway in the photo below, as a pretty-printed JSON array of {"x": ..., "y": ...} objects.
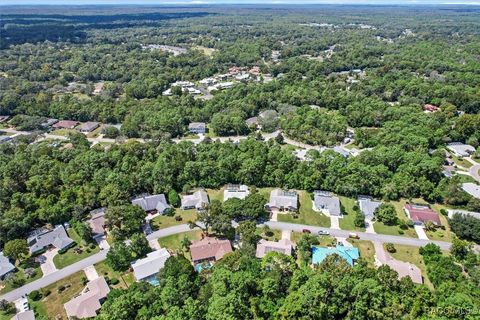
[
  {"x": 91, "y": 273},
  {"x": 334, "y": 223},
  {"x": 420, "y": 232},
  {"x": 46, "y": 262},
  {"x": 369, "y": 226}
]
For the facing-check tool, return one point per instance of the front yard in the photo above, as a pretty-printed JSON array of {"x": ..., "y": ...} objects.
[
  {"x": 162, "y": 222},
  {"x": 125, "y": 279},
  {"x": 367, "y": 250},
  {"x": 347, "y": 222},
  {"x": 174, "y": 241},
  {"x": 306, "y": 214},
  {"x": 76, "y": 253},
  {"x": 31, "y": 267}
]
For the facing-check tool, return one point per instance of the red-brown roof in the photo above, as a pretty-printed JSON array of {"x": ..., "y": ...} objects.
[
  {"x": 422, "y": 214},
  {"x": 208, "y": 248},
  {"x": 430, "y": 107},
  {"x": 65, "y": 124}
]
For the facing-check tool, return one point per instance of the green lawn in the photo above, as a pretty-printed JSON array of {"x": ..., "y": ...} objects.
[
  {"x": 173, "y": 242},
  {"x": 347, "y": 221},
  {"x": 273, "y": 235},
  {"x": 395, "y": 230},
  {"x": 6, "y": 287},
  {"x": 126, "y": 279},
  {"x": 95, "y": 132},
  {"x": 367, "y": 250},
  {"x": 162, "y": 222},
  {"x": 442, "y": 234},
  {"x": 51, "y": 305},
  {"x": 462, "y": 162},
  {"x": 62, "y": 260},
  {"x": 326, "y": 241},
  {"x": 62, "y": 132},
  {"x": 214, "y": 194},
  {"x": 4, "y": 316},
  {"x": 412, "y": 255},
  {"x": 306, "y": 214}
]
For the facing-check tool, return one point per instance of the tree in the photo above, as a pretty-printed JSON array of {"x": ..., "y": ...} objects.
[
  {"x": 390, "y": 247},
  {"x": 248, "y": 236},
  {"x": 386, "y": 213},
  {"x": 119, "y": 256},
  {"x": 460, "y": 248},
  {"x": 359, "y": 220},
  {"x": 16, "y": 249},
  {"x": 123, "y": 221},
  {"x": 83, "y": 230},
  {"x": 304, "y": 246},
  {"x": 173, "y": 198},
  {"x": 465, "y": 227},
  {"x": 139, "y": 245},
  {"x": 186, "y": 243}
]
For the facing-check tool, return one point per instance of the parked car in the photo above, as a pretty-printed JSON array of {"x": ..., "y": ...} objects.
[
  {"x": 323, "y": 233},
  {"x": 306, "y": 231},
  {"x": 353, "y": 235}
]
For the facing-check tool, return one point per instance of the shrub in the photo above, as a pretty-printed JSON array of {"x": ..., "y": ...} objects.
[
  {"x": 114, "y": 281},
  {"x": 178, "y": 218},
  {"x": 403, "y": 225},
  {"x": 400, "y": 231},
  {"x": 61, "y": 289},
  {"x": 170, "y": 212},
  {"x": 390, "y": 247},
  {"x": 35, "y": 295},
  {"x": 444, "y": 212},
  {"x": 46, "y": 292}
]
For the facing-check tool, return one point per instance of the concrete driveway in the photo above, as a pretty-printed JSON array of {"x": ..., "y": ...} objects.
[
  {"x": 46, "y": 261},
  {"x": 420, "y": 232},
  {"x": 334, "y": 223},
  {"x": 369, "y": 226},
  {"x": 91, "y": 273},
  {"x": 286, "y": 234}
]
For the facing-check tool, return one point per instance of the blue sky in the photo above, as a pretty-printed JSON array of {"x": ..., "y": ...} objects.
[{"x": 187, "y": 2}]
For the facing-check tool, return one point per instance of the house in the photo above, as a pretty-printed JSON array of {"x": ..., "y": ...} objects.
[
  {"x": 152, "y": 204},
  {"x": 197, "y": 200},
  {"x": 89, "y": 301},
  {"x": 4, "y": 139},
  {"x": 88, "y": 126},
  {"x": 472, "y": 189},
  {"x": 6, "y": 266},
  {"x": 342, "y": 151},
  {"x": 197, "y": 127},
  {"x": 254, "y": 71},
  {"x": 283, "y": 246},
  {"x": 349, "y": 254},
  {"x": 49, "y": 122},
  {"x": 97, "y": 222},
  {"x": 183, "y": 84},
  {"x": 326, "y": 202},
  {"x": 452, "y": 212},
  {"x": 430, "y": 108},
  {"x": 98, "y": 88},
  {"x": 208, "y": 81},
  {"x": 242, "y": 77},
  {"x": 420, "y": 214},
  {"x": 239, "y": 191},
  {"x": 146, "y": 269},
  {"x": 42, "y": 239},
  {"x": 224, "y": 85},
  {"x": 282, "y": 200},
  {"x": 4, "y": 118},
  {"x": 368, "y": 206},
  {"x": 460, "y": 150},
  {"x": 24, "y": 315},
  {"x": 208, "y": 250},
  {"x": 65, "y": 124}
]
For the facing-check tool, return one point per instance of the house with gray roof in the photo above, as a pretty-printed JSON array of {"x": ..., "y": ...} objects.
[
  {"x": 327, "y": 203},
  {"x": 239, "y": 191},
  {"x": 197, "y": 127},
  {"x": 282, "y": 200},
  {"x": 452, "y": 212},
  {"x": 146, "y": 269},
  {"x": 97, "y": 222},
  {"x": 6, "y": 266},
  {"x": 368, "y": 206},
  {"x": 42, "y": 239},
  {"x": 460, "y": 150},
  {"x": 24, "y": 315},
  {"x": 156, "y": 203},
  {"x": 197, "y": 200},
  {"x": 472, "y": 189},
  {"x": 88, "y": 126}
]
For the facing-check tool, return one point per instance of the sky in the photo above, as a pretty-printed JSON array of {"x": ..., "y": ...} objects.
[{"x": 192, "y": 2}]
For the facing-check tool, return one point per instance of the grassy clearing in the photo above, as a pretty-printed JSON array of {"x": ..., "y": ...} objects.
[
  {"x": 126, "y": 279},
  {"x": 395, "y": 230},
  {"x": 442, "y": 234},
  {"x": 326, "y": 241},
  {"x": 174, "y": 242},
  {"x": 95, "y": 133},
  {"x": 162, "y": 222},
  {"x": 206, "y": 51},
  {"x": 462, "y": 162},
  {"x": 272, "y": 235},
  {"x": 367, "y": 250},
  {"x": 214, "y": 194},
  {"x": 306, "y": 214},
  {"x": 412, "y": 255},
  {"x": 51, "y": 306},
  {"x": 347, "y": 222},
  {"x": 70, "y": 256},
  {"x": 62, "y": 132}
]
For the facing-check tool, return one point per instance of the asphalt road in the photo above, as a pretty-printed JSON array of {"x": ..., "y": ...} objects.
[
  {"x": 475, "y": 172},
  {"x": 78, "y": 266}
]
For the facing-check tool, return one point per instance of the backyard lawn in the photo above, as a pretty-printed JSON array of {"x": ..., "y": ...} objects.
[
  {"x": 347, "y": 221},
  {"x": 76, "y": 253},
  {"x": 367, "y": 250},
  {"x": 125, "y": 279},
  {"x": 51, "y": 306},
  {"x": 174, "y": 241},
  {"x": 162, "y": 222},
  {"x": 306, "y": 214},
  {"x": 412, "y": 255}
]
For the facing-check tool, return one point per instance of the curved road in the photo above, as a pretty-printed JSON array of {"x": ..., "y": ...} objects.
[{"x": 98, "y": 257}]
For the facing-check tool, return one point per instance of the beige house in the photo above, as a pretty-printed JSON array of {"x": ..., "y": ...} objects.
[
  {"x": 283, "y": 246},
  {"x": 89, "y": 301}
]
